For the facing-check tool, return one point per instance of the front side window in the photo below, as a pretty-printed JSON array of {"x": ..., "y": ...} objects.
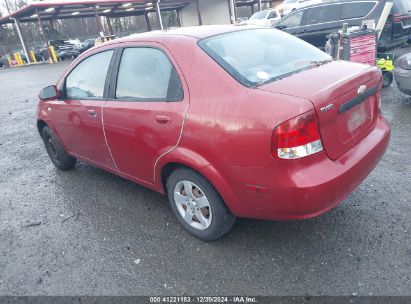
[
  {"x": 257, "y": 56},
  {"x": 87, "y": 79},
  {"x": 292, "y": 20},
  {"x": 356, "y": 10},
  {"x": 323, "y": 14},
  {"x": 146, "y": 74}
]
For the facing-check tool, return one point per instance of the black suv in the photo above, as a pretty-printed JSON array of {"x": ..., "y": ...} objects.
[
  {"x": 313, "y": 23},
  {"x": 398, "y": 27}
]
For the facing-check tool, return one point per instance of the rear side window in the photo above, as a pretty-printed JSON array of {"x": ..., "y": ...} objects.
[
  {"x": 321, "y": 14},
  {"x": 356, "y": 10},
  {"x": 146, "y": 74},
  {"x": 87, "y": 79}
]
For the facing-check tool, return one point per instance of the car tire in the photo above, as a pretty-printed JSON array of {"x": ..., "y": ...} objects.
[
  {"x": 203, "y": 212},
  {"x": 56, "y": 152},
  {"x": 387, "y": 79}
]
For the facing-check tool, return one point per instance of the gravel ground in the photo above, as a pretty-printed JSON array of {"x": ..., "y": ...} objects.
[{"x": 88, "y": 232}]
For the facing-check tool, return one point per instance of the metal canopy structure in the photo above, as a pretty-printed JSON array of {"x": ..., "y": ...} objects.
[
  {"x": 39, "y": 12},
  {"x": 87, "y": 8},
  {"x": 49, "y": 11}
]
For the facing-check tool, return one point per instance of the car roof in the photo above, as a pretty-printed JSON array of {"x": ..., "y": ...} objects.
[
  {"x": 327, "y": 2},
  {"x": 196, "y": 32}
]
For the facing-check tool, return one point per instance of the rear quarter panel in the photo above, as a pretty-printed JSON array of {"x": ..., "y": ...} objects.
[{"x": 227, "y": 124}]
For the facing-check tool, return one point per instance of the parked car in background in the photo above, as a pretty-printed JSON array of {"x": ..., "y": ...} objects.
[
  {"x": 87, "y": 44},
  {"x": 76, "y": 43},
  {"x": 288, "y": 6},
  {"x": 397, "y": 30},
  {"x": 265, "y": 126},
  {"x": 267, "y": 17},
  {"x": 402, "y": 73},
  {"x": 61, "y": 45},
  {"x": 64, "y": 49},
  {"x": 313, "y": 23},
  {"x": 67, "y": 54},
  {"x": 4, "y": 63},
  {"x": 38, "y": 52}
]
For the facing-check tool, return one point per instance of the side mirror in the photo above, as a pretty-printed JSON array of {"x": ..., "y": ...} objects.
[
  {"x": 281, "y": 26},
  {"x": 49, "y": 92}
]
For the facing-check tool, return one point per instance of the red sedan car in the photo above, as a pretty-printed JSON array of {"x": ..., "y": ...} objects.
[{"x": 227, "y": 121}]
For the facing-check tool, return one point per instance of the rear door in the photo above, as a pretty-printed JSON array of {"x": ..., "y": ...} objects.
[
  {"x": 143, "y": 117},
  {"x": 77, "y": 117}
]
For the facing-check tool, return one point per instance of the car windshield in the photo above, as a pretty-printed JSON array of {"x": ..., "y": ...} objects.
[
  {"x": 259, "y": 15},
  {"x": 258, "y": 56}
]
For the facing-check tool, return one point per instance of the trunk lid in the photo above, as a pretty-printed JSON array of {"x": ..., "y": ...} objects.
[{"x": 345, "y": 96}]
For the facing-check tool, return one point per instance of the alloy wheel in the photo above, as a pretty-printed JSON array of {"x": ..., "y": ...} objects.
[{"x": 193, "y": 205}]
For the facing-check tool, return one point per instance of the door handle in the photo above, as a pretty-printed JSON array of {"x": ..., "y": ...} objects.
[
  {"x": 92, "y": 113},
  {"x": 162, "y": 119}
]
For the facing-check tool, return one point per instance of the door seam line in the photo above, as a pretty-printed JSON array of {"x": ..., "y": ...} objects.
[
  {"x": 105, "y": 138},
  {"x": 178, "y": 141}
]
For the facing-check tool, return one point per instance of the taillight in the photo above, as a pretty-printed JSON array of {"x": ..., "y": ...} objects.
[
  {"x": 400, "y": 17},
  {"x": 297, "y": 137}
]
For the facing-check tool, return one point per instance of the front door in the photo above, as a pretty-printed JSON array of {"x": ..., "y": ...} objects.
[
  {"x": 78, "y": 116},
  {"x": 143, "y": 118}
]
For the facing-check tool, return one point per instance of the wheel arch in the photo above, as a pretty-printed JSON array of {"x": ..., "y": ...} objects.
[
  {"x": 40, "y": 126},
  {"x": 202, "y": 167}
]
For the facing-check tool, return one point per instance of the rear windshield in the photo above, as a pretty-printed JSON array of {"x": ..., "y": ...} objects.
[
  {"x": 258, "y": 56},
  {"x": 401, "y": 6}
]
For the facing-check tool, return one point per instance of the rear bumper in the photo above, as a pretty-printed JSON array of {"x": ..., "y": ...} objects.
[
  {"x": 403, "y": 79},
  {"x": 298, "y": 189}
]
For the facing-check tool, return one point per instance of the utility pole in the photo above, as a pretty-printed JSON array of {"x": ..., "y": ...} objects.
[
  {"x": 17, "y": 23},
  {"x": 158, "y": 11}
]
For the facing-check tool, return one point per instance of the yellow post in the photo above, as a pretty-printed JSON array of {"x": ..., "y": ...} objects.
[
  {"x": 20, "y": 59},
  {"x": 53, "y": 54},
  {"x": 33, "y": 56},
  {"x": 9, "y": 59},
  {"x": 17, "y": 58}
]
